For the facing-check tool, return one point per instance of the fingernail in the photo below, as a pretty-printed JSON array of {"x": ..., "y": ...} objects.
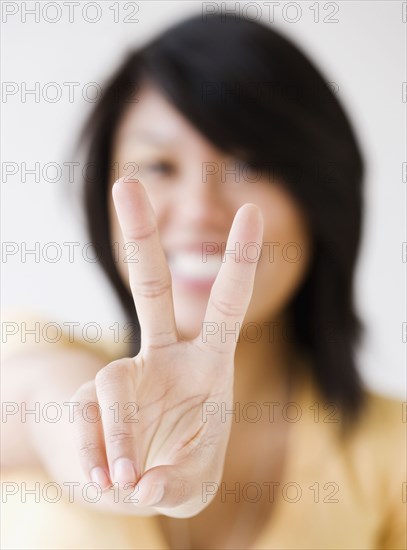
[
  {"x": 129, "y": 179},
  {"x": 149, "y": 498},
  {"x": 124, "y": 471},
  {"x": 99, "y": 475}
]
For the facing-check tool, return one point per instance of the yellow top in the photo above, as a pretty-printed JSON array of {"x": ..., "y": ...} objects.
[{"x": 335, "y": 493}]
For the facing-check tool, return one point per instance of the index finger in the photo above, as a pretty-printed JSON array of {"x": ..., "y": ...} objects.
[{"x": 149, "y": 276}]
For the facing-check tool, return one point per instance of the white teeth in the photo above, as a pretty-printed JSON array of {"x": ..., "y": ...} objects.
[{"x": 194, "y": 265}]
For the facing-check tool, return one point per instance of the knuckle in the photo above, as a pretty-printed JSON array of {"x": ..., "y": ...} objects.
[
  {"x": 141, "y": 233},
  {"x": 113, "y": 373},
  {"x": 212, "y": 344},
  {"x": 119, "y": 436},
  {"x": 162, "y": 339},
  {"x": 152, "y": 288},
  {"x": 87, "y": 449},
  {"x": 226, "y": 308},
  {"x": 87, "y": 411},
  {"x": 219, "y": 349},
  {"x": 84, "y": 402},
  {"x": 179, "y": 491},
  {"x": 85, "y": 392}
]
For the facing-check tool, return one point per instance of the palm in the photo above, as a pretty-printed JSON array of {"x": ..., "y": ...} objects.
[
  {"x": 179, "y": 404},
  {"x": 176, "y": 438}
]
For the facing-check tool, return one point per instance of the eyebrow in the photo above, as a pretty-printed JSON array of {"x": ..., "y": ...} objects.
[{"x": 150, "y": 138}]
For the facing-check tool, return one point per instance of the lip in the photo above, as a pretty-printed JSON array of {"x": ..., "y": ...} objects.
[
  {"x": 191, "y": 281},
  {"x": 193, "y": 247},
  {"x": 195, "y": 285}
]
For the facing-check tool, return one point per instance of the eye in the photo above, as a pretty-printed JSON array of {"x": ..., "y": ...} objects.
[{"x": 158, "y": 168}]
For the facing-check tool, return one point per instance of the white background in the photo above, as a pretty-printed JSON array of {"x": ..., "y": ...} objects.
[{"x": 363, "y": 53}]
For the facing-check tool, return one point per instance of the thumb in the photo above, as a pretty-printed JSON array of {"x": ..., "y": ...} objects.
[{"x": 172, "y": 487}]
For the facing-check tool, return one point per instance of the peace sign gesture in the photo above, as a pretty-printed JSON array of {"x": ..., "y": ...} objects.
[{"x": 171, "y": 446}]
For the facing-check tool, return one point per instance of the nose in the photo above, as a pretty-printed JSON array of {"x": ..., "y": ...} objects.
[{"x": 201, "y": 201}]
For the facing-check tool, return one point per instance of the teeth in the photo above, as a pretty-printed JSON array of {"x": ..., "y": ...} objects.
[{"x": 193, "y": 265}]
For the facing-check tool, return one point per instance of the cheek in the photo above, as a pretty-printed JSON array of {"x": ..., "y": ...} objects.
[
  {"x": 285, "y": 257},
  {"x": 279, "y": 274}
]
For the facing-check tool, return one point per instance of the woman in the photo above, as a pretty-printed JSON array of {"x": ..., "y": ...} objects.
[{"x": 236, "y": 418}]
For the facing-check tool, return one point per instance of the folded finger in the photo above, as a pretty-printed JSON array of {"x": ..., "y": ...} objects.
[{"x": 89, "y": 435}]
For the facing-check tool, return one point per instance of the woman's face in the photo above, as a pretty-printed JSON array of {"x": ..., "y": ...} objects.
[{"x": 195, "y": 190}]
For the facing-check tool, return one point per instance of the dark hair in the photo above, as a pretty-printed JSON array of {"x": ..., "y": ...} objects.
[{"x": 250, "y": 91}]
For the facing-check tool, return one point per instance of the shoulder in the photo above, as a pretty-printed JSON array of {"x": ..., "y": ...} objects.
[
  {"x": 384, "y": 408},
  {"x": 376, "y": 455},
  {"x": 381, "y": 447},
  {"x": 26, "y": 331},
  {"x": 368, "y": 460},
  {"x": 371, "y": 447},
  {"x": 378, "y": 444},
  {"x": 382, "y": 424}
]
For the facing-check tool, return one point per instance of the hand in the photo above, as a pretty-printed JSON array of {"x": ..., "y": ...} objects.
[{"x": 159, "y": 436}]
